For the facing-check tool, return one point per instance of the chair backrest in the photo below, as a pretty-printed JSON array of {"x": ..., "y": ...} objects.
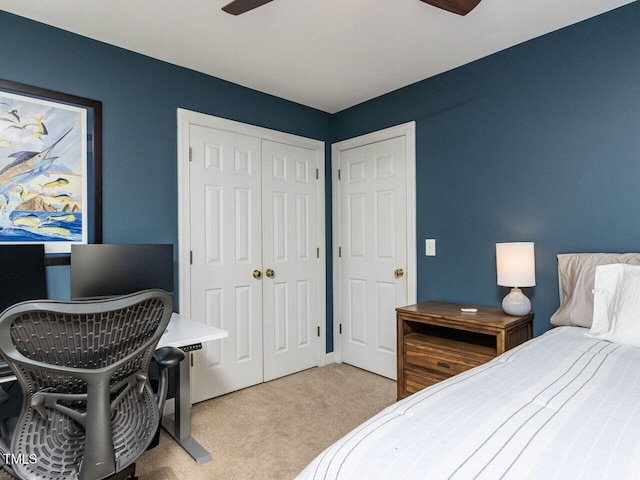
[{"x": 89, "y": 410}]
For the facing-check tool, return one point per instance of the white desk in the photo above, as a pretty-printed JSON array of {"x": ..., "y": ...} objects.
[{"x": 184, "y": 331}]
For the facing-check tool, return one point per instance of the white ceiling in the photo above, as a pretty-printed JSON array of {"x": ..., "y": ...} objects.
[{"x": 327, "y": 54}]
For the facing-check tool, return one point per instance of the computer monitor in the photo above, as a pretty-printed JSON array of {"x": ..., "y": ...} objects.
[
  {"x": 106, "y": 270},
  {"x": 22, "y": 268}
]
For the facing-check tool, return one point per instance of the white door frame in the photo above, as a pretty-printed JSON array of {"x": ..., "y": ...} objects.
[
  {"x": 188, "y": 117},
  {"x": 408, "y": 130}
]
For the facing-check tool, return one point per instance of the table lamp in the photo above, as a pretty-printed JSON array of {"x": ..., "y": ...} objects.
[{"x": 516, "y": 267}]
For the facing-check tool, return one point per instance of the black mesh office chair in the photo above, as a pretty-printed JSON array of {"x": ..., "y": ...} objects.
[{"x": 89, "y": 410}]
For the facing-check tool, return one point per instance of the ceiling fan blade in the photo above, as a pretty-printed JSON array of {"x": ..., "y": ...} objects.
[
  {"x": 461, "y": 7},
  {"x": 241, "y": 6}
]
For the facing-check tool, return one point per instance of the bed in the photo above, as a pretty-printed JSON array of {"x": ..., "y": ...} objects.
[{"x": 564, "y": 405}]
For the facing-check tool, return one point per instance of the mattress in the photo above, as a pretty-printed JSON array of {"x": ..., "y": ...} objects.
[{"x": 563, "y": 406}]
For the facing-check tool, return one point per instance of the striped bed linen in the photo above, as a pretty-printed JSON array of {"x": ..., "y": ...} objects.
[{"x": 561, "y": 406}]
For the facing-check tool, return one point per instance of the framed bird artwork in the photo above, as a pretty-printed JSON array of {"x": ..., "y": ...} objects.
[{"x": 50, "y": 169}]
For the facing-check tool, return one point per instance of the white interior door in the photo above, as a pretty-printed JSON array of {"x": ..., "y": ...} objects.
[
  {"x": 374, "y": 239},
  {"x": 226, "y": 245},
  {"x": 290, "y": 259}
]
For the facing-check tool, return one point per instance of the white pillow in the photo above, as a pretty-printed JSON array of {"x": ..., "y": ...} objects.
[
  {"x": 605, "y": 285},
  {"x": 617, "y": 301}
]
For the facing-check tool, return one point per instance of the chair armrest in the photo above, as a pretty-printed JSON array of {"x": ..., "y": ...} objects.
[{"x": 167, "y": 357}]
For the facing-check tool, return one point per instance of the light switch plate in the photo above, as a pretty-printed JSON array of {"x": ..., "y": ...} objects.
[{"x": 430, "y": 247}]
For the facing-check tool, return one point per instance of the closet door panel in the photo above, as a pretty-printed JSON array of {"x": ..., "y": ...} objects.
[
  {"x": 225, "y": 210},
  {"x": 290, "y": 239}
]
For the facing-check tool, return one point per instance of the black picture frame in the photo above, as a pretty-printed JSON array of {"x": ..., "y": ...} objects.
[{"x": 93, "y": 110}]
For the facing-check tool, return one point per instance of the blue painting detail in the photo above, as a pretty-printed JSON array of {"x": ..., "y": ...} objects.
[{"x": 34, "y": 226}]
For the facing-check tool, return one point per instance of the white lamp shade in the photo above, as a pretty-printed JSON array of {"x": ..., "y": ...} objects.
[{"x": 516, "y": 264}]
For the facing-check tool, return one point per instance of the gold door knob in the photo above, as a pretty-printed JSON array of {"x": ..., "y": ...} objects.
[
  {"x": 256, "y": 274},
  {"x": 398, "y": 272},
  {"x": 270, "y": 273}
]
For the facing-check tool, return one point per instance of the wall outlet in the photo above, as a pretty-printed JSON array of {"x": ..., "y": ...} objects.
[{"x": 430, "y": 247}]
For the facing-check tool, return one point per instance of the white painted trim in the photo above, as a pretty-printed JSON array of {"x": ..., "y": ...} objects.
[
  {"x": 408, "y": 130},
  {"x": 184, "y": 225},
  {"x": 187, "y": 118},
  {"x": 328, "y": 359},
  {"x": 335, "y": 222}
]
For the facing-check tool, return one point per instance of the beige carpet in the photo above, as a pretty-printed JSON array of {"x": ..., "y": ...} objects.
[{"x": 272, "y": 430}]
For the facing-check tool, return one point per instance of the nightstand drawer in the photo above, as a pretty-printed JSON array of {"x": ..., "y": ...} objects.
[
  {"x": 451, "y": 361},
  {"x": 417, "y": 379},
  {"x": 443, "y": 365}
]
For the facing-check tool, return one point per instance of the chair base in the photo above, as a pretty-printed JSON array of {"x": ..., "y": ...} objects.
[{"x": 128, "y": 473}]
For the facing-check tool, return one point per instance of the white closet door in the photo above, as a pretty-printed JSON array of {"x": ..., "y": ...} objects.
[
  {"x": 253, "y": 207},
  {"x": 373, "y": 242},
  {"x": 290, "y": 260},
  {"x": 226, "y": 244}
]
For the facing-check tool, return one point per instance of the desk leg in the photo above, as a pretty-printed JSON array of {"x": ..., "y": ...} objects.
[{"x": 180, "y": 430}]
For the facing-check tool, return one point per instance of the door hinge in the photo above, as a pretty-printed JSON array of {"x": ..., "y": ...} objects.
[
  {"x": 191, "y": 355},
  {"x": 340, "y": 329},
  {"x": 317, "y": 173},
  {"x": 190, "y": 154},
  {"x": 318, "y": 330},
  {"x": 190, "y": 257},
  {"x": 339, "y": 174},
  {"x": 317, "y": 252}
]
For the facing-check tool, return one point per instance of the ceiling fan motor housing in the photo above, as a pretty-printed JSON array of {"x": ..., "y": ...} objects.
[{"x": 461, "y": 7}]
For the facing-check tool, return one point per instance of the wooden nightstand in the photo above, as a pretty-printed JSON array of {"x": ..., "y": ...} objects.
[{"x": 436, "y": 340}]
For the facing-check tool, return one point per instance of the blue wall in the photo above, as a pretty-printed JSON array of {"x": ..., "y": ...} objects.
[
  {"x": 540, "y": 142},
  {"x": 139, "y": 98},
  {"x": 559, "y": 115}
]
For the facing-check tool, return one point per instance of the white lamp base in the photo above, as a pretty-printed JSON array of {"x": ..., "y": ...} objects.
[{"x": 516, "y": 303}]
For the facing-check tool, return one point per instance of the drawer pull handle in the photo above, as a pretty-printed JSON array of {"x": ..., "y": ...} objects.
[{"x": 444, "y": 364}]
